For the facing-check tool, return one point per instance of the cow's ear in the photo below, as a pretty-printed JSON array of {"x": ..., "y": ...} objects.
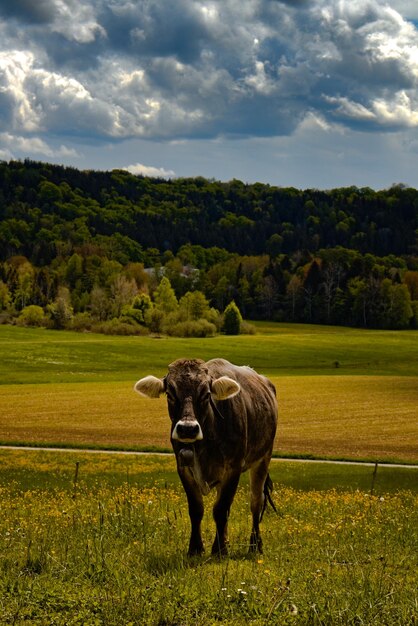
[
  {"x": 149, "y": 387},
  {"x": 224, "y": 388}
]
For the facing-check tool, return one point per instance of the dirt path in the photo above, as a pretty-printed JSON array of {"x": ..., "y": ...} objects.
[{"x": 138, "y": 453}]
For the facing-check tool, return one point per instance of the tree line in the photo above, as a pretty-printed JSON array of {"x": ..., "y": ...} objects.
[{"x": 110, "y": 251}]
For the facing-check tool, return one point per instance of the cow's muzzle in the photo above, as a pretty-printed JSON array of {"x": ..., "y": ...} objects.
[{"x": 187, "y": 431}]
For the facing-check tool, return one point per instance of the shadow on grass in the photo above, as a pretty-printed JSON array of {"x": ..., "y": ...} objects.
[{"x": 160, "y": 563}]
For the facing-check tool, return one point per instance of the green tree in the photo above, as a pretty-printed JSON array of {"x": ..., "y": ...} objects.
[
  {"x": 60, "y": 310},
  {"x": 5, "y": 297},
  {"x": 154, "y": 319},
  {"x": 232, "y": 319},
  {"x": 411, "y": 280},
  {"x": 123, "y": 292},
  {"x": 220, "y": 291},
  {"x": 359, "y": 294},
  {"x": 401, "y": 311},
  {"x": 25, "y": 280},
  {"x": 100, "y": 304},
  {"x": 194, "y": 305},
  {"x": 414, "y": 307},
  {"x": 294, "y": 292},
  {"x": 165, "y": 297},
  {"x": 138, "y": 310},
  {"x": 32, "y": 315},
  {"x": 74, "y": 270}
]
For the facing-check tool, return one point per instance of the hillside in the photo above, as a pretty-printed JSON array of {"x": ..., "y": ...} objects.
[{"x": 344, "y": 256}]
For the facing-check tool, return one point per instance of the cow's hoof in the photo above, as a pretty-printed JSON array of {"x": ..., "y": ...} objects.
[
  {"x": 256, "y": 546},
  {"x": 254, "y": 549},
  {"x": 196, "y": 551},
  {"x": 218, "y": 550}
]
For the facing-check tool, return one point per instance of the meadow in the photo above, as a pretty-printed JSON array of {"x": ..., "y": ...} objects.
[
  {"x": 343, "y": 393},
  {"x": 99, "y": 539}
]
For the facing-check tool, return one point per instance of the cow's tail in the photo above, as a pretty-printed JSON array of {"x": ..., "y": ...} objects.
[{"x": 268, "y": 489}]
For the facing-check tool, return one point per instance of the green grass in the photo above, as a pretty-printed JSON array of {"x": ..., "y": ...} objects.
[
  {"x": 43, "y": 356},
  {"x": 41, "y": 469},
  {"x": 100, "y": 540},
  {"x": 110, "y": 548}
]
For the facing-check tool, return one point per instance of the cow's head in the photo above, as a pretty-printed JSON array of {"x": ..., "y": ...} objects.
[{"x": 189, "y": 388}]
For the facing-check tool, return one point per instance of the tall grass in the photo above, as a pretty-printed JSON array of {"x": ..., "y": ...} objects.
[{"x": 103, "y": 551}]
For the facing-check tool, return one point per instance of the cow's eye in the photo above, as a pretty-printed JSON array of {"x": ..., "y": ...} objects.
[
  {"x": 171, "y": 394},
  {"x": 205, "y": 395}
]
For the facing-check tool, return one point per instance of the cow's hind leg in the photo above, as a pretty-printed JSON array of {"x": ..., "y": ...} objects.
[
  {"x": 221, "y": 509},
  {"x": 258, "y": 477}
]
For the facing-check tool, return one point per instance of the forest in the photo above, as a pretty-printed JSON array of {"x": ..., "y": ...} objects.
[{"x": 118, "y": 253}]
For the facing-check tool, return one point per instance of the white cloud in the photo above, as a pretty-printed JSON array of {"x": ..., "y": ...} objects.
[
  {"x": 76, "y": 20},
  {"x": 14, "y": 68},
  {"x": 17, "y": 145},
  {"x": 349, "y": 109},
  {"x": 399, "y": 111},
  {"x": 138, "y": 169}
]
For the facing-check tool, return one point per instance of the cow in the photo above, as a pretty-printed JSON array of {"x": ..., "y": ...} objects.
[{"x": 223, "y": 422}]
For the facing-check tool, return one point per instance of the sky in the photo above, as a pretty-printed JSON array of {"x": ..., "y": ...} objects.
[{"x": 304, "y": 93}]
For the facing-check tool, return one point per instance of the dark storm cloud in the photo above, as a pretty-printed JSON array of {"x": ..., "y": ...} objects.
[
  {"x": 156, "y": 29},
  {"x": 29, "y": 11},
  {"x": 68, "y": 55}
]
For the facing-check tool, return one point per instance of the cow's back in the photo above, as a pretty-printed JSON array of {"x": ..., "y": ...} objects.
[{"x": 253, "y": 412}]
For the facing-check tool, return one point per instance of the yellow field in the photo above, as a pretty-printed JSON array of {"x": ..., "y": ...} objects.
[{"x": 373, "y": 417}]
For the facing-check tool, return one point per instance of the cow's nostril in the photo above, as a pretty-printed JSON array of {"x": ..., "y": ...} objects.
[{"x": 187, "y": 431}]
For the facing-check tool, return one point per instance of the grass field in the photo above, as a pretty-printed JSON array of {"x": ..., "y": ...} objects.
[
  {"x": 110, "y": 547},
  {"x": 44, "y": 356},
  {"x": 92, "y": 539},
  {"x": 62, "y": 388}
]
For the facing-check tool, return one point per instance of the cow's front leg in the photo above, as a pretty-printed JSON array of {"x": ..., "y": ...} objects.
[
  {"x": 195, "y": 502},
  {"x": 222, "y": 506}
]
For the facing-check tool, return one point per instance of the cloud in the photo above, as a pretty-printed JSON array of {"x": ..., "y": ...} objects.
[
  {"x": 148, "y": 170},
  {"x": 114, "y": 69},
  {"x": 72, "y": 18},
  {"x": 13, "y": 144},
  {"x": 400, "y": 112},
  {"x": 41, "y": 11},
  {"x": 406, "y": 8}
]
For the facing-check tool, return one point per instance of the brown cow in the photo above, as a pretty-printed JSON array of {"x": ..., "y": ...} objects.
[{"x": 223, "y": 422}]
